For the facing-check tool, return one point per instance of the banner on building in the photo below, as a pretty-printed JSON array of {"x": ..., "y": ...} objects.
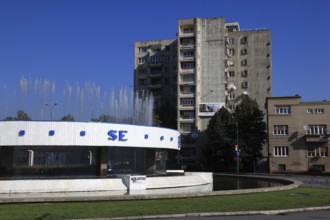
[{"x": 208, "y": 109}]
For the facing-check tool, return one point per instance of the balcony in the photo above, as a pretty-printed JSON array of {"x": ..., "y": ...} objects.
[
  {"x": 155, "y": 64},
  {"x": 187, "y": 45},
  {"x": 187, "y": 33},
  {"x": 187, "y": 119},
  {"x": 187, "y": 95},
  {"x": 187, "y": 71},
  {"x": 186, "y": 127},
  {"x": 187, "y": 58},
  {"x": 316, "y": 138},
  {"x": 187, "y": 82},
  {"x": 154, "y": 85},
  {"x": 187, "y": 107},
  {"x": 155, "y": 75}
]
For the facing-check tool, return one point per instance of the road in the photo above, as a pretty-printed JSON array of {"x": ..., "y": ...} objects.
[{"x": 323, "y": 214}]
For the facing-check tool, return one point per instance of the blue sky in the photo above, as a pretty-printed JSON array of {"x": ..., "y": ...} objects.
[{"x": 79, "y": 41}]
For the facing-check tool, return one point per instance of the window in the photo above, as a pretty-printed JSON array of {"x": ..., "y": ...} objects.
[
  {"x": 155, "y": 50},
  {"x": 155, "y": 59},
  {"x": 186, "y": 66},
  {"x": 188, "y": 42},
  {"x": 281, "y": 151},
  {"x": 143, "y": 49},
  {"x": 282, "y": 168},
  {"x": 188, "y": 78},
  {"x": 230, "y": 63},
  {"x": 244, "y": 73},
  {"x": 323, "y": 151},
  {"x": 316, "y": 129},
  {"x": 187, "y": 102},
  {"x": 188, "y": 30},
  {"x": 319, "y": 110},
  {"x": 231, "y": 74},
  {"x": 311, "y": 152},
  {"x": 188, "y": 115},
  {"x": 187, "y": 89},
  {"x": 231, "y": 107},
  {"x": 280, "y": 130},
  {"x": 317, "y": 151},
  {"x": 142, "y": 60},
  {"x": 310, "y": 111},
  {"x": 230, "y": 52},
  {"x": 319, "y": 167},
  {"x": 245, "y": 84},
  {"x": 244, "y": 51},
  {"x": 231, "y": 41},
  {"x": 316, "y": 111},
  {"x": 142, "y": 71},
  {"x": 283, "y": 110},
  {"x": 243, "y": 40},
  {"x": 188, "y": 53},
  {"x": 231, "y": 96},
  {"x": 244, "y": 62},
  {"x": 142, "y": 82}
]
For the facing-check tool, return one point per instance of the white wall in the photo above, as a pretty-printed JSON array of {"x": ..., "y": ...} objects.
[{"x": 36, "y": 133}]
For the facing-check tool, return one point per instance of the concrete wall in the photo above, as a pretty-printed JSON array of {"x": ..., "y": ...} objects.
[
  {"x": 211, "y": 66},
  {"x": 256, "y": 51}
]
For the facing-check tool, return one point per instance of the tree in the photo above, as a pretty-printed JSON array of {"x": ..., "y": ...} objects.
[
  {"x": 251, "y": 132},
  {"x": 245, "y": 126},
  {"x": 165, "y": 116},
  {"x": 103, "y": 118},
  {"x": 20, "y": 116},
  {"x": 221, "y": 135},
  {"x": 68, "y": 117}
]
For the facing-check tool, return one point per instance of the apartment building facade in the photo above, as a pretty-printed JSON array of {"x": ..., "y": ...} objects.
[
  {"x": 214, "y": 64},
  {"x": 298, "y": 134},
  {"x": 155, "y": 70}
]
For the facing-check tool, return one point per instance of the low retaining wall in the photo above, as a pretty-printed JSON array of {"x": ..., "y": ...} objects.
[
  {"x": 189, "y": 179},
  {"x": 118, "y": 185},
  {"x": 62, "y": 185}
]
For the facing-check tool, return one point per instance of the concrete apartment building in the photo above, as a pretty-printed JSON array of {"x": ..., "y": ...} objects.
[
  {"x": 298, "y": 134},
  {"x": 211, "y": 64},
  {"x": 155, "y": 70}
]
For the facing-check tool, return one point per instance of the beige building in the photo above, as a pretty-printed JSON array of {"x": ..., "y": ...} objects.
[
  {"x": 298, "y": 136},
  {"x": 211, "y": 64}
]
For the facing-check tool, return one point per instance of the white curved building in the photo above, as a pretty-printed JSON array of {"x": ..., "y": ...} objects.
[{"x": 30, "y": 148}]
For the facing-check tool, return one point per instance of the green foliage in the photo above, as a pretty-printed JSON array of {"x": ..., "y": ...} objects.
[
  {"x": 165, "y": 116},
  {"x": 251, "y": 132},
  {"x": 68, "y": 117},
  {"x": 20, "y": 116},
  {"x": 221, "y": 134},
  {"x": 103, "y": 118},
  {"x": 245, "y": 126}
]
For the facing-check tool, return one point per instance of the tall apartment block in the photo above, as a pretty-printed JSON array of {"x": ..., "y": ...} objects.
[
  {"x": 298, "y": 134},
  {"x": 155, "y": 70},
  {"x": 214, "y": 64}
]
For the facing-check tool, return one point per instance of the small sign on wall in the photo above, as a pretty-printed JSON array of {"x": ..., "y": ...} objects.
[{"x": 137, "y": 183}]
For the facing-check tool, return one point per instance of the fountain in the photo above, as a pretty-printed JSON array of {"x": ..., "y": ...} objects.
[{"x": 84, "y": 102}]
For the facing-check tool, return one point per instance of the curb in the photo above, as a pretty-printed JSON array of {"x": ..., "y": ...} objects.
[{"x": 214, "y": 214}]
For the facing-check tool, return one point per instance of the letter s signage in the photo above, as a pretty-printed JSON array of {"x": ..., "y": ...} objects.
[{"x": 117, "y": 135}]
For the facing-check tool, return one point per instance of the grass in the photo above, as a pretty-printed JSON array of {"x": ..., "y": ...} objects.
[{"x": 287, "y": 199}]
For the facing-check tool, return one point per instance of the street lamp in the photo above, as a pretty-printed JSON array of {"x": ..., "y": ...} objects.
[
  {"x": 237, "y": 148},
  {"x": 51, "y": 109}
]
